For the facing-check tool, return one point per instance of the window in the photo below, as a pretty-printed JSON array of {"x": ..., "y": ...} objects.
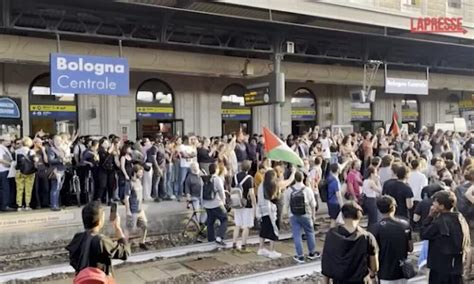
[
  {"x": 415, "y": 3},
  {"x": 410, "y": 113},
  {"x": 156, "y": 92},
  {"x": 303, "y": 111},
  {"x": 155, "y": 110},
  {"x": 51, "y": 112},
  {"x": 235, "y": 115},
  {"x": 457, "y": 4}
]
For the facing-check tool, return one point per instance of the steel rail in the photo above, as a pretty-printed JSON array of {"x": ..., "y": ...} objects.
[{"x": 292, "y": 272}]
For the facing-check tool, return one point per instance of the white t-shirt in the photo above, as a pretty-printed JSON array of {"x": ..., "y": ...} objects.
[
  {"x": 189, "y": 151},
  {"x": 385, "y": 174},
  {"x": 417, "y": 181},
  {"x": 4, "y": 155},
  {"x": 325, "y": 146},
  {"x": 367, "y": 190}
]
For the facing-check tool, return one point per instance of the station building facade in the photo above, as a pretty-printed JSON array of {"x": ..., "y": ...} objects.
[{"x": 180, "y": 92}]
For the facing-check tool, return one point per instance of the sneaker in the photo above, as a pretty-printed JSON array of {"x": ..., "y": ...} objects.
[
  {"x": 298, "y": 259},
  {"x": 19, "y": 209},
  {"x": 234, "y": 247},
  {"x": 143, "y": 246},
  {"x": 245, "y": 250},
  {"x": 314, "y": 255},
  {"x": 263, "y": 252},
  {"x": 274, "y": 255},
  {"x": 220, "y": 242},
  {"x": 55, "y": 209},
  {"x": 27, "y": 208},
  {"x": 173, "y": 197}
]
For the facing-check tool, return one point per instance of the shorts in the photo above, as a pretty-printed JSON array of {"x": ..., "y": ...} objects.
[
  {"x": 244, "y": 217},
  {"x": 333, "y": 210},
  {"x": 136, "y": 220}
]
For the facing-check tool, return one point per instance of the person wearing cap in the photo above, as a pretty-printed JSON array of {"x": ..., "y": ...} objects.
[{"x": 5, "y": 162}]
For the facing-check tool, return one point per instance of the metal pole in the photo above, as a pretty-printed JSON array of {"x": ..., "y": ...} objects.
[{"x": 277, "y": 57}]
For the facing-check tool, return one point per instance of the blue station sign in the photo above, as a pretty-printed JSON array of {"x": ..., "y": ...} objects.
[
  {"x": 84, "y": 74},
  {"x": 9, "y": 108}
]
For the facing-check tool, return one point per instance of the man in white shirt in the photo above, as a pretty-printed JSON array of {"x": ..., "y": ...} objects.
[
  {"x": 188, "y": 154},
  {"x": 417, "y": 181},
  {"x": 326, "y": 142},
  {"x": 300, "y": 204},
  {"x": 5, "y": 162}
]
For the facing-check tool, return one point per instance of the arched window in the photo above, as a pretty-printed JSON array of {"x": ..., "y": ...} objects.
[
  {"x": 51, "y": 112},
  {"x": 361, "y": 112},
  {"x": 303, "y": 111},
  {"x": 155, "y": 109},
  {"x": 411, "y": 113},
  {"x": 235, "y": 115}
]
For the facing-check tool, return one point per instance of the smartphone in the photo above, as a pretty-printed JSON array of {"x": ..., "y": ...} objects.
[{"x": 113, "y": 211}]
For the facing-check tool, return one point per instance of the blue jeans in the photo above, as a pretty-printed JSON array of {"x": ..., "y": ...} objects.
[
  {"x": 169, "y": 178},
  {"x": 56, "y": 185},
  {"x": 179, "y": 186},
  {"x": 5, "y": 187},
  {"x": 298, "y": 223}
]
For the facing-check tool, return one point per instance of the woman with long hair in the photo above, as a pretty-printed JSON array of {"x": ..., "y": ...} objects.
[
  {"x": 126, "y": 170},
  {"x": 268, "y": 193},
  {"x": 371, "y": 189}
]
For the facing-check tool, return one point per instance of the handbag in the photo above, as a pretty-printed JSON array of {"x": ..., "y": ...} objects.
[{"x": 408, "y": 269}]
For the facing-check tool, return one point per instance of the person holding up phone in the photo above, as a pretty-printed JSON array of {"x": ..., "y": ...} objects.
[
  {"x": 91, "y": 249},
  {"x": 133, "y": 203}
]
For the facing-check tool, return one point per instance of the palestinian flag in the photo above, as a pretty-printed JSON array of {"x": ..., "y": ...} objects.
[
  {"x": 277, "y": 150},
  {"x": 396, "y": 123}
]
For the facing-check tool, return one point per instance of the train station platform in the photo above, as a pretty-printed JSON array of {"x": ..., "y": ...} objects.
[{"x": 44, "y": 228}]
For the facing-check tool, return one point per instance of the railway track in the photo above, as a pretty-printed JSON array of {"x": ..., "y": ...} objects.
[
  {"x": 296, "y": 271},
  {"x": 41, "y": 272}
]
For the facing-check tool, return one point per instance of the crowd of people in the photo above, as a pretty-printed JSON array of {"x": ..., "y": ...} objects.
[{"x": 403, "y": 183}]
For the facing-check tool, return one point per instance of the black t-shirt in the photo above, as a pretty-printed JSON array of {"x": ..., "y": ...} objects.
[
  {"x": 423, "y": 209},
  {"x": 393, "y": 236},
  {"x": 246, "y": 186},
  {"x": 401, "y": 192},
  {"x": 203, "y": 156}
]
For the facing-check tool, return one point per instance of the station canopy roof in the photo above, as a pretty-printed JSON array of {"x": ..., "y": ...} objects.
[{"x": 218, "y": 28}]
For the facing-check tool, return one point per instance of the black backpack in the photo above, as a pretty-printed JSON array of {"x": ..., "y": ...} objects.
[
  {"x": 25, "y": 164},
  {"x": 297, "y": 202},
  {"x": 208, "y": 191},
  {"x": 323, "y": 190},
  {"x": 465, "y": 207}
]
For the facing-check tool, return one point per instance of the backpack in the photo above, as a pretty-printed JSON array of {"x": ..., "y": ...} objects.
[
  {"x": 237, "y": 199},
  {"x": 464, "y": 205},
  {"x": 208, "y": 191},
  {"x": 323, "y": 190},
  {"x": 24, "y": 164},
  {"x": 297, "y": 202}
]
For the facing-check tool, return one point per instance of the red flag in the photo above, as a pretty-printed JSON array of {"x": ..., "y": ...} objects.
[{"x": 395, "y": 126}]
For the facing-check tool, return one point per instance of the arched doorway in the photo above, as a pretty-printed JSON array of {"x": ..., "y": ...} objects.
[
  {"x": 52, "y": 113},
  {"x": 303, "y": 111},
  {"x": 235, "y": 115},
  {"x": 155, "y": 110},
  {"x": 411, "y": 113}
]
